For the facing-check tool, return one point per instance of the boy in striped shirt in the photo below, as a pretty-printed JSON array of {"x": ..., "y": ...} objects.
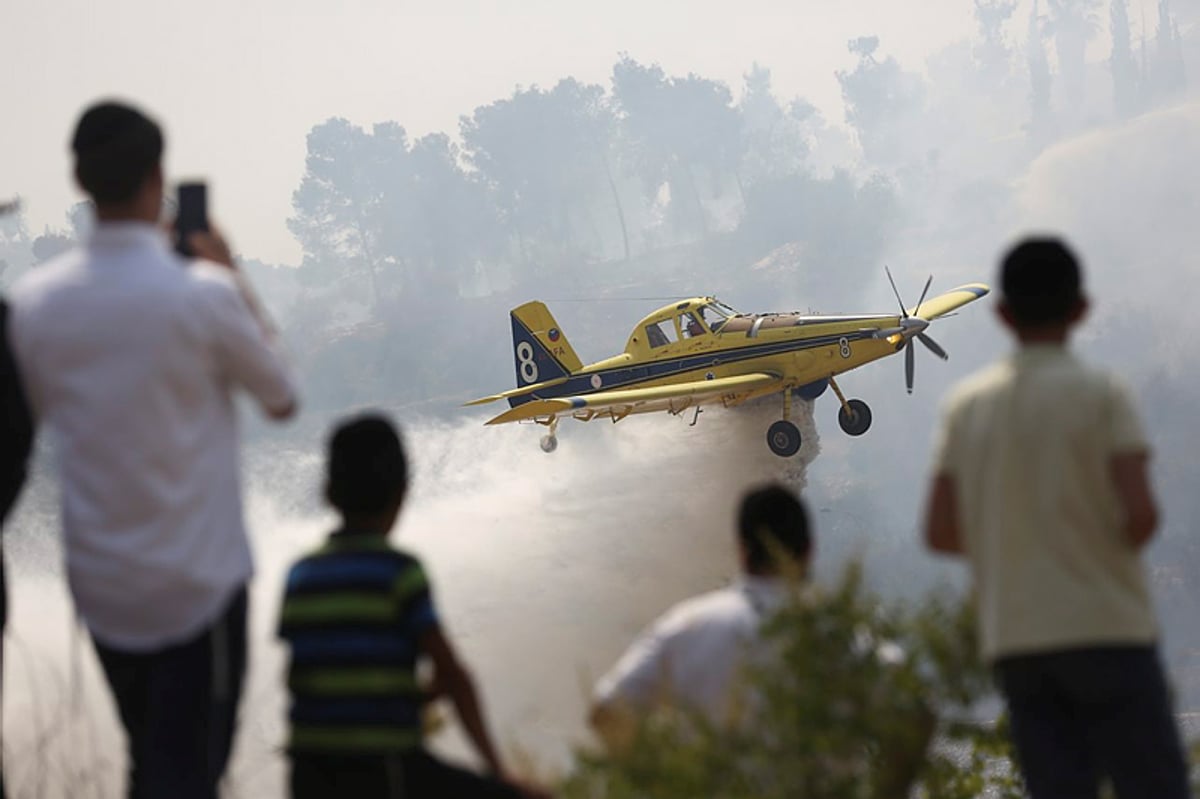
[{"x": 359, "y": 617}]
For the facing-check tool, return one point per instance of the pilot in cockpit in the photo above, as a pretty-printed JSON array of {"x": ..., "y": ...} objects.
[{"x": 713, "y": 317}]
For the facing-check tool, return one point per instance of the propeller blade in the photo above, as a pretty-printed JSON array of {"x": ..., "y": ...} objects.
[
  {"x": 903, "y": 312},
  {"x": 909, "y": 365},
  {"x": 917, "y": 310},
  {"x": 933, "y": 346}
]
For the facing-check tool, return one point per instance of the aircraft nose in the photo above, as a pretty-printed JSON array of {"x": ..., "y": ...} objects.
[{"x": 912, "y": 326}]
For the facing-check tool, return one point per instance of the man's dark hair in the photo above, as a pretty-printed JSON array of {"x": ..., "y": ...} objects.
[
  {"x": 367, "y": 468},
  {"x": 1040, "y": 278},
  {"x": 116, "y": 148},
  {"x": 772, "y": 521}
]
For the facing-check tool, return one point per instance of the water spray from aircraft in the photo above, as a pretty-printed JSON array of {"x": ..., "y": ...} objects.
[{"x": 543, "y": 567}]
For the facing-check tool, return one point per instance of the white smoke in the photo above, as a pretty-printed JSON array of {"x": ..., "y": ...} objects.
[{"x": 544, "y": 567}]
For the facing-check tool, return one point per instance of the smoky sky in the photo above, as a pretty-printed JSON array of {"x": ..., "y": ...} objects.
[{"x": 570, "y": 554}]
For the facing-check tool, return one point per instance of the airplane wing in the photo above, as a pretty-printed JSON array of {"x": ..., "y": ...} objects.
[
  {"x": 516, "y": 392},
  {"x": 945, "y": 303},
  {"x": 621, "y": 402}
]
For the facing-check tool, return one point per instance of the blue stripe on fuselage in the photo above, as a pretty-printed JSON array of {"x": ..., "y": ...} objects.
[{"x": 622, "y": 376}]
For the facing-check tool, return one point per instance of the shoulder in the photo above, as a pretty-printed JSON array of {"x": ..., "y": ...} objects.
[
  {"x": 411, "y": 577},
  {"x": 402, "y": 558},
  {"x": 976, "y": 386},
  {"x": 43, "y": 280},
  {"x": 208, "y": 274},
  {"x": 703, "y": 609},
  {"x": 1115, "y": 406},
  {"x": 1101, "y": 380},
  {"x": 212, "y": 282},
  {"x": 378, "y": 569},
  {"x": 1090, "y": 385},
  {"x": 213, "y": 290},
  {"x": 303, "y": 568}
]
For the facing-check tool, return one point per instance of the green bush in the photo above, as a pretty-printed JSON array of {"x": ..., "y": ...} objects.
[{"x": 861, "y": 700}]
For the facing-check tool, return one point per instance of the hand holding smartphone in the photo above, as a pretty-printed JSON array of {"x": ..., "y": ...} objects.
[{"x": 192, "y": 215}]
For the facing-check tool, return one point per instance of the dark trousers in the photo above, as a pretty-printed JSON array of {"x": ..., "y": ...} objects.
[
  {"x": 1080, "y": 715},
  {"x": 178, "y": 706},
  {"x": 413, "y": 775}
]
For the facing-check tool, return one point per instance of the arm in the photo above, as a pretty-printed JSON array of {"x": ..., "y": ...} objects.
[
  {"x": 614, "y": 722},
  {"x": 1132, "y": 483},
  {"x": 211, "y": 246},
  {"x": 635, "y": 684},
  {"x": 253, "y": 358},
  {"x": 1128, "y": 465},
  {"x": 942, "y": 533},
  {"x": 451, "y": 676},
  {"x": 247, "y": 338}
]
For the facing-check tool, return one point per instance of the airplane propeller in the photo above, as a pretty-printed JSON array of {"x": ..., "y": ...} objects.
[{"x": 914, "y": 327}]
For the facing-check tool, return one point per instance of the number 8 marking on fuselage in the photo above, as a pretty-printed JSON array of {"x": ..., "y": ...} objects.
[
  {"x": 525, "y": 363},
  {"x": 844, "y": 346}
]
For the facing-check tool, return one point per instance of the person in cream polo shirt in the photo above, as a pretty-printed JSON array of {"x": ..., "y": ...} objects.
[{"x": 1040, "y": 479}]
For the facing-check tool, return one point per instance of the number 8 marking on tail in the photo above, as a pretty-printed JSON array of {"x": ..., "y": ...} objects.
[
  {"x": 844, "y": 347},
  {"x": 525, "y": 363}
]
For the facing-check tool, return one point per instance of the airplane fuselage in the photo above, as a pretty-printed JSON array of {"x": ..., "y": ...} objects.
[
  {"x": 800, "y": 349},
  {"x": 700, "y": 351}
]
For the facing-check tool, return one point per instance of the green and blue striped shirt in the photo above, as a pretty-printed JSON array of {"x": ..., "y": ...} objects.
[{"x": 354, "y": 613}]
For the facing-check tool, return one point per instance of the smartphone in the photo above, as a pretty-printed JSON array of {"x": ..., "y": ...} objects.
[{"x": 191, "y": 215}]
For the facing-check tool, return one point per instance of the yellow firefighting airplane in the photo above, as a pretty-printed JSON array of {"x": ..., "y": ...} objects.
[{"x": 700, "y": 352}]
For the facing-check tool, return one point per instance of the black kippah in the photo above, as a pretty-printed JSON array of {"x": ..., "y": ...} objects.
[
  {"x": 367, "y": 466},
  {"x": 106, "y": 123},
  {"x": 116, "y": 147},
  {"x": 1040, "y": 278}
]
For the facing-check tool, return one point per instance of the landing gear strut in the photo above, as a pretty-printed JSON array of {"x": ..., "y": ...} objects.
[
  {"x": 854, "y": 416},
  {"x": 549, "y": 441},
  {"x": 783, "y": 437}
]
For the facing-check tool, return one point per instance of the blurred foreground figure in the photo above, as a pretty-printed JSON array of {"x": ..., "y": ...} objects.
[
  {"x": 130, "y": 355},
  {"x": 1040, "y": 479},
  {"x": 359, "y": 617},
  {"x": 693, "y": 655},
  {"x": 16, "y": 438}
]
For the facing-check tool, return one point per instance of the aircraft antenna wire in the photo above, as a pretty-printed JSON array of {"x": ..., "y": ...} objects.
[{"x": 673, "y": 298}]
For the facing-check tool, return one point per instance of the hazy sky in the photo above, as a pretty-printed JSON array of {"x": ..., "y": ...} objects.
[{"x": 238, "y": 85}]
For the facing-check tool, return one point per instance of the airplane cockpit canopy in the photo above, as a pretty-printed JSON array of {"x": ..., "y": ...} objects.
[
  {"x": 715, "y": 314},
  {"x": 685, "y": 320}
]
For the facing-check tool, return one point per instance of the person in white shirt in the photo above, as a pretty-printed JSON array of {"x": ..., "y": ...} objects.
[
  {"x": 693, "y": 655},
  {"x": 1040, "y": 479},
  {"x": 130, "y": 356}
]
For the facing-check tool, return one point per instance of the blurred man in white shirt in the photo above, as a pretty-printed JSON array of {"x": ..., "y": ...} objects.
[
  {"x": 693, "y": 655},
  {"x": 130, "y": 356}
]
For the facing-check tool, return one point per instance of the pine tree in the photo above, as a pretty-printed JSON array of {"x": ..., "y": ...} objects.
[
  {"x": 1167, "y": 71},
  {"x": 1073, "y": 23},
  {"x": 1126, "y": 91},
  {"x": 992, "y": 52},
  {"x": 1041, "y": 119}
]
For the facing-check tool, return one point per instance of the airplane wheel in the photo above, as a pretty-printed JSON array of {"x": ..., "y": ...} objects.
[
  {"x": 858, "y": 421},
  {"x": 549, "y": 443},
  {"x": 783, "y": 438}
]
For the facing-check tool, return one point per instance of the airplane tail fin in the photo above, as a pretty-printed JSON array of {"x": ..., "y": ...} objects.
[{"x": 540, "y": 349}]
